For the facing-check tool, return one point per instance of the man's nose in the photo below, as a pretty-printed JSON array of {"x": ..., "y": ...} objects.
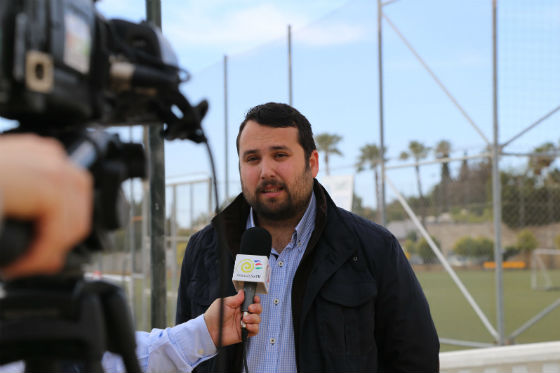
[{"x": 267, "y": 168}]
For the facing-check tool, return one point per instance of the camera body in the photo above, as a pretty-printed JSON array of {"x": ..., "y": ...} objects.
[
  {"x": 63, "y": 64},
  {"x": 64, "y": 69},
  {"x": 50, "y": 52}
]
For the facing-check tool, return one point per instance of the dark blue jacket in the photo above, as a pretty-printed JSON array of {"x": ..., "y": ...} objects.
[{"x": 356, "y": 303}]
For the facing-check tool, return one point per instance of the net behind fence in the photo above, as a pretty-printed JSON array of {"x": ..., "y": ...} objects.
[{"x": 437, "y": 71}]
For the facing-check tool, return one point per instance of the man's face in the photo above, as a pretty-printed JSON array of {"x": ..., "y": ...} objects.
[{"x": 276, "y": 178}]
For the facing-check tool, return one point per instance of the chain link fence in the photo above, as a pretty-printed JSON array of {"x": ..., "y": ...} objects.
[{"x": 438, "y": 98}]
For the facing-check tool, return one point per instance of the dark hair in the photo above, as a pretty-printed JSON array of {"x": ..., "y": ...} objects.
[{"x": 273, "y": 114}]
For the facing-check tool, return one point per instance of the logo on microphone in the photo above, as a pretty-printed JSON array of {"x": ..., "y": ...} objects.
[
  {"x": 251, "y": 268},
  {"x": 248, "y": 265}
]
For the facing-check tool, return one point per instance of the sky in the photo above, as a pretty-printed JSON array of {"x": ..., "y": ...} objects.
[{"x": 335, "y": 76}]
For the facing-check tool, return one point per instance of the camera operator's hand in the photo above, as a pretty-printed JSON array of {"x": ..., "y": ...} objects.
[
  {"x": 232, "y": 319},
  {"x": 39, "y": 183}
]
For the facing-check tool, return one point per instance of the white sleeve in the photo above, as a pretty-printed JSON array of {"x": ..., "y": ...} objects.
[{"x": 177, "y": 349}]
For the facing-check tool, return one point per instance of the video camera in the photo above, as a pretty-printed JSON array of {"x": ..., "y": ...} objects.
[
  {"x": 64, "y": 68},
  {"x": 62, "y": 64},
  {"x": 65, "y": 71}
]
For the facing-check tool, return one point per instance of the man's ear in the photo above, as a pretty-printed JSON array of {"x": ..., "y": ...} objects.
[{"x": 314, "y": 163}]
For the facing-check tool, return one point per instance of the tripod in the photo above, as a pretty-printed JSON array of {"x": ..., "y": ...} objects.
[{"x": 49, "y": 322}]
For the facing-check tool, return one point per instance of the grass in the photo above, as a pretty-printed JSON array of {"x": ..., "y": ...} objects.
[
  {"x": 142, "y": 315},
  {"x": 452, "y": 314},
  {"x": 455, "y": 318}
]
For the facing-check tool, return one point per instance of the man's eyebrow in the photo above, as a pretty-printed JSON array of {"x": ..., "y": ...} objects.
[
  {"x": 279, "y": 147},
  {"x": 271, "y": 148},
  {"x": 250, "y": 151}
]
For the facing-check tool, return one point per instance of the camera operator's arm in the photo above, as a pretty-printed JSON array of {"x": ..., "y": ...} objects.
[
  {"x": 39, "y": 183},
  {"x": 184, "y": 346}
]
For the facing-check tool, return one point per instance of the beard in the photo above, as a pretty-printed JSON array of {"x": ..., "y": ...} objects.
[{"x": 293, "y": 203}]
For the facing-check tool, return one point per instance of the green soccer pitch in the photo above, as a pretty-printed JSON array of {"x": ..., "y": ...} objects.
[{"x": 455, "y": 318}]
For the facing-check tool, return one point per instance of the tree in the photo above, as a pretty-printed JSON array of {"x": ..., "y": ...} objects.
[
  {"x": 553, "y": 178},
  {"x": 526, "y": 243},
  {"x": 425, "y": 251},
  {"x": 527, "y": 201},
  {"x": 464, "y": 246},
  {"x": 480, "y": 248},
  {"x": 370, "y": 156},
  {"x": 418, "y": 151},
  {"x": 462, "y": 189},
  {"x": 443, "y": 150},
  {"x": 326, "y": 143},
  {"x": 363, "y": 211},
  {"x": 540, "y": 165},
  {"x": 485, "y": 248},
  {"x": 542, "y": 160},
  {"x": 420, "y": 246},
  {"x": 464, "y": 170}
]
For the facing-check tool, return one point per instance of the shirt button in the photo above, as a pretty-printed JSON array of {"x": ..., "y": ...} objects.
[
  {"x": 276, "y": 301},
  {"x": 272, "y": 341},
  {"x": 201, "y": 352},
  {"x": 281, "y": 264}
]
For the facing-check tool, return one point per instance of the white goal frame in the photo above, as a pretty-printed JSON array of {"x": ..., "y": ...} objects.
[{"x": 539, "y": 268}]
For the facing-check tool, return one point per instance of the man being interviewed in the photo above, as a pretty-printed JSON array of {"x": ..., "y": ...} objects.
[{"x": 342, "y": 297}]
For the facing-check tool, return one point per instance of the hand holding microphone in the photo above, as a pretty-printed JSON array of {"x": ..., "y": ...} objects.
[
  {"x": 251, "y": 271},
  {"x": 232, "y": 318}
]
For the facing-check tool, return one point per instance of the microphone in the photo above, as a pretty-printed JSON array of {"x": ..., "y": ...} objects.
[{"x": 251, "y": 271}]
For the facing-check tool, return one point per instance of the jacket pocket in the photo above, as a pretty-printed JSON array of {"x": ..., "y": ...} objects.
[
  {"x": 346, "y": 315},
  {"x": 349, "y": 294}
]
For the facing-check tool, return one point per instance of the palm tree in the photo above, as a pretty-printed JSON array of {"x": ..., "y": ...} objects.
[
  {"x": 370, "y": 156},
  {"x": 418, "y": 151},
  {"x": 442, "y": 150},
  {"x": 540, "y": 162},
  {"x": 326, "y": 143}
]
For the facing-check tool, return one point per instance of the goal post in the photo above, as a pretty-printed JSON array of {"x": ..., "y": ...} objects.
[{"x": 545, "y": 269}]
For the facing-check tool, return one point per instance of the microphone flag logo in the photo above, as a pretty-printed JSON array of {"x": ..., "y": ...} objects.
[
  {"x": 251, "y": 268},
  {"x": 248, "y": 265}
]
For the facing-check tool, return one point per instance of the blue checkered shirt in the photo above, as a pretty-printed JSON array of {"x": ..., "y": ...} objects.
[{"x": 273, "y": 350}]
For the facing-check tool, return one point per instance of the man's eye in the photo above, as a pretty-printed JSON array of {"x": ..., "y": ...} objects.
[
  {"x": 251, "y": 159},
  {"x": 281, "y": 155}
]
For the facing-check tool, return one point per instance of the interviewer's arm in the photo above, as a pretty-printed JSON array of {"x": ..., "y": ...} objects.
[
  {"x": 177, "y": 349},
  {"x": 182, "y": 347}
]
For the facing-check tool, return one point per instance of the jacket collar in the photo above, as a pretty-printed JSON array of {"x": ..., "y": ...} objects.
[
  {"x": 337, "y": 241},
  {"x": 234, "y": 219}
]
